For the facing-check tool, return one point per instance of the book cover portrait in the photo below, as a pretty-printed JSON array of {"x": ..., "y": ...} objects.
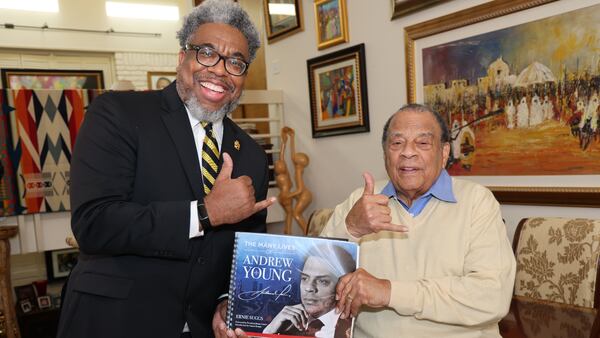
[{"x": 284, "y": 286}]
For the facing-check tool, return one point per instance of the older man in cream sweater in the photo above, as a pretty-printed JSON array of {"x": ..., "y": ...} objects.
[{"x": 435, "y": 258}]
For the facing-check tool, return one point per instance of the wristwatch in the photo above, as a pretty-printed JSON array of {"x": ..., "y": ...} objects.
[{"x": 203, "y": 217}]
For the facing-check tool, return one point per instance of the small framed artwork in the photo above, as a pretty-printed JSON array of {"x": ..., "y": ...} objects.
[
  {"x": 25, "y": 292},
  {"x": 25, "y": 306},
  {"x": 159, "y": 80},
  {"x": 338, "y": 92},
  {"x": 44, "y": 302},
  {"x": 282, "y": 18},
  {"x": 406, "y": 7},
  {"x": 332, "y": 23},
  {"x": 52, "y": 79},
  {"x": 59, "y": 263}
]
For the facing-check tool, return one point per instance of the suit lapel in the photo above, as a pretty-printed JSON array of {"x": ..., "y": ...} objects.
[
  {"x": 178, "y": 125},
  {"x": 231, "y": 143}
]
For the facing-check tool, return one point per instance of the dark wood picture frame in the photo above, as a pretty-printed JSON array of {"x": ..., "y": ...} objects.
[
  {"x": 60, "y": 262},
  {"x": 549, "y": 196},
  {"x": 342, "y": 72},
  {"x": 278, "y": 25},
  {"x": 406, "y": 7},
  {"x": 51, "y": 78}
]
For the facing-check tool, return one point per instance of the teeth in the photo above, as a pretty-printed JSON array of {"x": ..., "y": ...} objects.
[{"x": 212, "y": 87}]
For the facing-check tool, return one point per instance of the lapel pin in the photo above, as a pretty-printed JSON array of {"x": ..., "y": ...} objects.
[{"x": 236, "y": 145}]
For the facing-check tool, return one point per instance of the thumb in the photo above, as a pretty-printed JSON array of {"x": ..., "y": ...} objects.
[
  {"x": 369, "y": 185},
  {"x": 226, "y": 168}
]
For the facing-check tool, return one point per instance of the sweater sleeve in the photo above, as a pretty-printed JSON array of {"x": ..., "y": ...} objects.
[{"x": 482, "y": 294}]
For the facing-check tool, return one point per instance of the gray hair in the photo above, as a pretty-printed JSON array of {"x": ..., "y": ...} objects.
[
  {"x": 417, "y": 108},
  {"x": 220, "y": 11}
]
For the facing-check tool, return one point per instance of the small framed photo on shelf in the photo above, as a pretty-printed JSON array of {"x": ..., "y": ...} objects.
[
  {"x": 282, "y": 18},
  {"x": 159, "y": 80},
  {"x": 25, "y": 292},
  {"x": 338, "y": 92},
  {"x": 331, "y": 22},
  {"x": 44, "y": 302},
  {"x": 25, "y": 306},
  {"x": 60, "y": 262},
  {"x": 56, "y": 301}
]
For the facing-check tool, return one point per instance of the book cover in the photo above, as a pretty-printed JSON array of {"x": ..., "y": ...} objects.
[{"x": 284, "y": 286}]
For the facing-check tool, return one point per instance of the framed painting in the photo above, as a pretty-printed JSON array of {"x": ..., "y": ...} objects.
[
  {"x": 282, "y": 18},
  {"x": 51, "y": 79},
  {"x": 331, "y": 21},
  {"x": 159, "y": 80},
  {"x": 59, "y": 263},
  {"x": 405, "y": 7},
  {"x": 519, "y": 88},
  {"x": 338, "y": 92}
]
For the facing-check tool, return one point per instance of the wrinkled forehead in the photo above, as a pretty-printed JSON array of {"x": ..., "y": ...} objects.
[{"x": 415, "y": 123}]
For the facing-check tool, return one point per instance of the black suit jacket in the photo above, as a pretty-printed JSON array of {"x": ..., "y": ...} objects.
[{"x": 134, "y": 172}]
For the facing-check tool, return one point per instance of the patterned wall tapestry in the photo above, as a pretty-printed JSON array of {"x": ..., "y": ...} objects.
[{"x": 37, "y": 133}]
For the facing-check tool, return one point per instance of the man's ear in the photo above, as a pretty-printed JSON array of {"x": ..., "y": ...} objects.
[
  {"x": 181, "y": 57},
  {"x": 445, "y": 154}
]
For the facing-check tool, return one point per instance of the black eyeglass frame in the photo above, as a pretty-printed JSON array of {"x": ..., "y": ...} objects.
[{"x": 189, "y": 46}]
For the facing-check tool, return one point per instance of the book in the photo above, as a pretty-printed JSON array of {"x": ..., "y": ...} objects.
[{"x": 284, "y": 286}]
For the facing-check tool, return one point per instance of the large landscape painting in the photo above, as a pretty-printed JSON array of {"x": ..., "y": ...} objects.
[{"x": 522, "y": 100}]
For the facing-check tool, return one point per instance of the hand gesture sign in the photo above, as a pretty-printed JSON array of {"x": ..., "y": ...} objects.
[
  {"x": 371, "y": 212},
  {"x": 232, "y": 200}
]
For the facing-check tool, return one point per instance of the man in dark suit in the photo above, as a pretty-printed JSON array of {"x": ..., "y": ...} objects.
[
  {"x": 315, "y": 316},
  {"x": 154, "y": 224}
]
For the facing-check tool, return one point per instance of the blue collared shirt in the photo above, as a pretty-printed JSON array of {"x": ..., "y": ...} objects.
[{"x": 441, "y": 189}]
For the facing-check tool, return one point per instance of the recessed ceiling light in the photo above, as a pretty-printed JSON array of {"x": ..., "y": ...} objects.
[
  {"x": 141, "y": 11},
  {"x": 31, "y": 5}
]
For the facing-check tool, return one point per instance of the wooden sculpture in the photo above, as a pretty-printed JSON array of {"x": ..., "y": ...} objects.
[{"x": 286, "y": 197}]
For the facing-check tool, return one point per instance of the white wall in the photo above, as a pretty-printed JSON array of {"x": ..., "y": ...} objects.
[{"x": 337, "y": 162}]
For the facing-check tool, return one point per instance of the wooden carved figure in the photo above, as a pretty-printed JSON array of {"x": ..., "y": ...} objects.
[{"x": 284, "y": 182}]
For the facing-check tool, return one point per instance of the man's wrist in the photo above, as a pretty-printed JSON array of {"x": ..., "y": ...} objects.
[{"x": 203, "y": 218}]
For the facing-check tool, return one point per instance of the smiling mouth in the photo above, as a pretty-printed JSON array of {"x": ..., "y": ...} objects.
[
  {"x": 213, "y": 87},
  {"x": 408, "y": 169}
]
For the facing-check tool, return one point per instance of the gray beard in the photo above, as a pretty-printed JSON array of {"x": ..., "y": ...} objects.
[{"x": 203, "y": 114}]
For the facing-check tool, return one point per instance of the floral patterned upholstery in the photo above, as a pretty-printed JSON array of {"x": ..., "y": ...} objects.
[
  {"x": 557, "y": 260},
  {"x": 317, "y": 221}
]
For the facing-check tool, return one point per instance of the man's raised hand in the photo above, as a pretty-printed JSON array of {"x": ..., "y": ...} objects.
[
  {"x": 232, "y": 200},
  {"x": 371, "y": 212}
]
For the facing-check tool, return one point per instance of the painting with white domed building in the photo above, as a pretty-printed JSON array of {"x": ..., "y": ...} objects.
[{"x": 523, "y": 100}]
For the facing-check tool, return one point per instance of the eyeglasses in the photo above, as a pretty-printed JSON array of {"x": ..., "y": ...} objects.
[{"x": 209, "y": 57}]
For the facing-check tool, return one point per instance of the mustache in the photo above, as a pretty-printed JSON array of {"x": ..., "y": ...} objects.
[{"x": 198, "y": 77}]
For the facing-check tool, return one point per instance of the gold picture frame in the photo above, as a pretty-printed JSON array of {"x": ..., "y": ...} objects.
[
  {"x": 282, "y": 18},
  {"x": 507, "y": 194},
  {"x": 159, "y": 80},
  {"x": 331, "y": 21}
]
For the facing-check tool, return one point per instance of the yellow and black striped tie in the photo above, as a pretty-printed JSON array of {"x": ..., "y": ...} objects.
[{"x": 210, "y": 158}]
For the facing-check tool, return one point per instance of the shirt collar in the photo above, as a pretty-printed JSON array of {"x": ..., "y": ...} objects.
[
  {"x": 217, "y": 126},
  {"x": 441, "y": 188},
  {"x": 329, "y": 321}
]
